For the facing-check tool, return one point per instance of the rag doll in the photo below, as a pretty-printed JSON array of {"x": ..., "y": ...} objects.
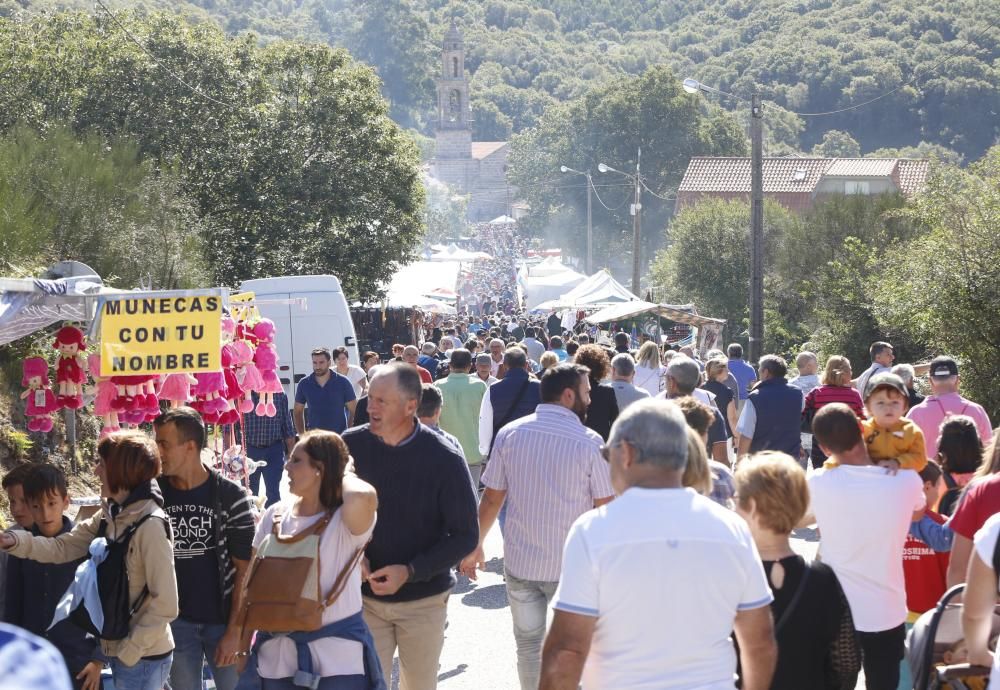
[
  {"x": 106, "y": 393},
  {"x": 247, "y": 374},
  {"x": 266, "y": 359},
  {"x": 39, "y": 399},
  {"x": 70, "y": 373},
  {"x": 176, "y": 388}
]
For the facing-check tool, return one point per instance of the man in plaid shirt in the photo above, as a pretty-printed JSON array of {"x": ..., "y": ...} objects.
[{"x": 269, "y": 439}]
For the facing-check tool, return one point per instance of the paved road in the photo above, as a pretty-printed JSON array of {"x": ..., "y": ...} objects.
[{"x": 479, "y": 644}]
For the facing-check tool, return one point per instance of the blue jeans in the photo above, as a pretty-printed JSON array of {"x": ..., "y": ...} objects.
[
  {"x": 194, "y": 643},
  {"x": 274, "y": 456},
  {"x": 355, "y": 682},
  {"x": 145, "y": 675}
]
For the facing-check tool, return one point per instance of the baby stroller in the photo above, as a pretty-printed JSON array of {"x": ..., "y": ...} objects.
[{"x": 934, "y": 638}]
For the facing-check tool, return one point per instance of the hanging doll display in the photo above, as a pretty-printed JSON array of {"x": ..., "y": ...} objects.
[
  {"x": 106, "y": 392},
  {"x": 176, "y": 388},
  {"x": 266, "y": 359},
  {"x": 70, "y": 373},
  {"x": 39, "y": 399}
]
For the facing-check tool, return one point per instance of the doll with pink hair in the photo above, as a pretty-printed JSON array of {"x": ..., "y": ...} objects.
[
  {"x": 234, "y": 390},
  {"x": 70, "y": 373},
  {"x": 106, "y": 393},
  {"x": 39, "y": 399},
  {"x": 266, "y": 359},
  {"x": 247, "y": 374}
]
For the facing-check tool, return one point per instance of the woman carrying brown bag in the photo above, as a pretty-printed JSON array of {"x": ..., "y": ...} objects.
[{"x": 303, "y": 588}]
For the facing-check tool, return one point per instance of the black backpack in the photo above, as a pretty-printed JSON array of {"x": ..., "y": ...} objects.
[{"x": 113, "y": 586}]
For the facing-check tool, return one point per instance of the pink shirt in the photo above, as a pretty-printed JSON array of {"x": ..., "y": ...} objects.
[{"x": 935, "y": 409}]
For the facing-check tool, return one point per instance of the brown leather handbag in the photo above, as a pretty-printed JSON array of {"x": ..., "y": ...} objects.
[{"x": 281, "y": 590}]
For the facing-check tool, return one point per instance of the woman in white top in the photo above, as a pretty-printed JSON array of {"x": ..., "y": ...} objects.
[
  {"x": 980, "y": 598},
  {"x": 321, "y": 478},
  {"x": 356, "y": 375},
  {"x": 649, "y": 372}
]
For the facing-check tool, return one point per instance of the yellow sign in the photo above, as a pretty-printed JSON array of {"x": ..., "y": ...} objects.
[
  {"x": 161, "y": 334},
  {"x": 241, "y": 305}
]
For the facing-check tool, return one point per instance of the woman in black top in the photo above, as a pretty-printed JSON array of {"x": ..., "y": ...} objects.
[
  {"x": 817, "y": 648},
  {"x": 603, "y": 409}
]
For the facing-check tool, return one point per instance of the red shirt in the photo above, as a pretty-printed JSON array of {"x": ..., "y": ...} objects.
[
  {"x": 425, "y": 376},
  {"x": 981, "y": 501},
  {"x": 925, "y": 571}
]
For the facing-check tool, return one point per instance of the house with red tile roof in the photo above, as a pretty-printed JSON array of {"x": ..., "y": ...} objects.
[{"x": 796, "y": 183}]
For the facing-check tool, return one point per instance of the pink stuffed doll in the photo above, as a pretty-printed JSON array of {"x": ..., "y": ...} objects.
[
  {"x": 266, "y": 359},
  {"x": 247, "y": 374},
  {"x": 40, "y": 400},
  {"x": 106, "y": 393},
  {"x": 70, "y": 374},
  {"x": 176, "y": 388},
  {"x": 234, "y": 391}
]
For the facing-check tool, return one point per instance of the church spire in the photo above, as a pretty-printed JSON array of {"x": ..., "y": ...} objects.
[{"x": 453, "y": 85}]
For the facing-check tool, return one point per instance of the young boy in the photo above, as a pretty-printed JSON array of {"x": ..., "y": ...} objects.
[
  {"x": 35, "y": 588},
  {"x": 13, "y": 486},
  {"x": 892, "y": 440},
  {"x": 925, "y": 569}
]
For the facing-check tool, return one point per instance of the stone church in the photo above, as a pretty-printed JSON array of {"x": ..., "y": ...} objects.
[{"x": 474, "y": 168}]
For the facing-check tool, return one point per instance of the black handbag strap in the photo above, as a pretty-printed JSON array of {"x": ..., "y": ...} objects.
[
  {"x": 795, "y": 599},
  {"x": 996, "y": 558},
  {"x": 509, "y": 414}
]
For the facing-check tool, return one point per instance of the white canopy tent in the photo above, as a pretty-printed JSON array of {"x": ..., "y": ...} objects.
[
  {"x": 600, "y": 289},
  {"x": 541, "y": 289},
  {"x": 456, "y": 254},
  {"x": 413, "y": 285},
  {"x": 502, "y": 220},
  {"x": 551, "y": 265}
]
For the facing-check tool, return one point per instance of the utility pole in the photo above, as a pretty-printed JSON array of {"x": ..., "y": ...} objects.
[
  {"x": 756, "y": 229},
  {"x": 590, "y": 226},
  {"x": 636, "y": 225}
]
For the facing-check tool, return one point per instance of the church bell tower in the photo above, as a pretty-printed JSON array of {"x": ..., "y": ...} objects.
[{"x": 453, "y": 138}]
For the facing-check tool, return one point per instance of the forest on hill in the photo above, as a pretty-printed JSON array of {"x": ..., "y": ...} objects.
[{"x": 938, "y": 58}]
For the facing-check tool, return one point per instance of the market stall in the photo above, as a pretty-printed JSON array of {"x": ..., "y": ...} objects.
[{"x": 648, "y": 317}]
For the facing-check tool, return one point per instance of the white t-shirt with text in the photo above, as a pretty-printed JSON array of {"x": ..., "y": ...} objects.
[
  {"x": 864, "y": 514},
  {"x": 664, "y": 571}
]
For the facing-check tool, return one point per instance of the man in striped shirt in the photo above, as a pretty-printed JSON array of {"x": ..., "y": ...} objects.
[{"x": 548, "y": 468}]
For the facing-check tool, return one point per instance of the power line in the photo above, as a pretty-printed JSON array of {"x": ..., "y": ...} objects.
[
  {"x": 912, "y": 81},
  {"x": 601, "y": 201},
  {"x": 159, "y": 64},
  {"x": 646, "y": 187}
]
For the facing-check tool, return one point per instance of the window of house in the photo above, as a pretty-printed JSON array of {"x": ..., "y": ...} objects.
[{"x": 856, "y": 188}]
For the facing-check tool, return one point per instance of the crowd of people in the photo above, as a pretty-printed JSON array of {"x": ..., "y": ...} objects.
[{"x": 645, "y": 498}]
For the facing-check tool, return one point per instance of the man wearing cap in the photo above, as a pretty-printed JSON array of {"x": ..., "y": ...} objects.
[
  {"x": 427, "y": 359},
  {"x": 945, "y": 402},
  {"x": 484, "y": 369}
]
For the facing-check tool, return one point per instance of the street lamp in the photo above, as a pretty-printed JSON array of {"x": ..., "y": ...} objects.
[
  {"x": 590, "y": 226},
  {"x": 636, "y": 212},
  {"x": 756, "y": 212}
]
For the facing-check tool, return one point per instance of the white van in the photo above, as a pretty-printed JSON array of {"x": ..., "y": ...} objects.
[{"x": 324, "y": 320}]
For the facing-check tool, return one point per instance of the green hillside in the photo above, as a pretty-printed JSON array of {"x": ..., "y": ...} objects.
[{"x": 807, "y": 56}]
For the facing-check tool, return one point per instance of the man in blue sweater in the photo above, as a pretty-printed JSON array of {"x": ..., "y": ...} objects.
[
  {"x": 427, "y": 523},
  {"x": 35, "y": 588}
]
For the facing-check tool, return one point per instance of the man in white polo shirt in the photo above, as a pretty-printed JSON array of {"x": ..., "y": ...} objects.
[
  {"x": 548, "y": 468},
  {"x": 654, "y": 583},
  {"x": 864, "y": 513}
]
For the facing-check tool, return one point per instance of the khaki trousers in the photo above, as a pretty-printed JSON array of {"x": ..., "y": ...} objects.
[{"x": 416, "y": 629}]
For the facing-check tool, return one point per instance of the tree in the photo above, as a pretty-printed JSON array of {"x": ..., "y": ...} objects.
[
  {"x": 837, "y": 144},
  {"x": 944, "y": 288},
  {"x": 707, "y": 261},
  {"x": 609, "y": 124},
  {"x": 287, "y": 150},
  {"x": 97, "y": 202},
  {"x": 830, "y": 263}
]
